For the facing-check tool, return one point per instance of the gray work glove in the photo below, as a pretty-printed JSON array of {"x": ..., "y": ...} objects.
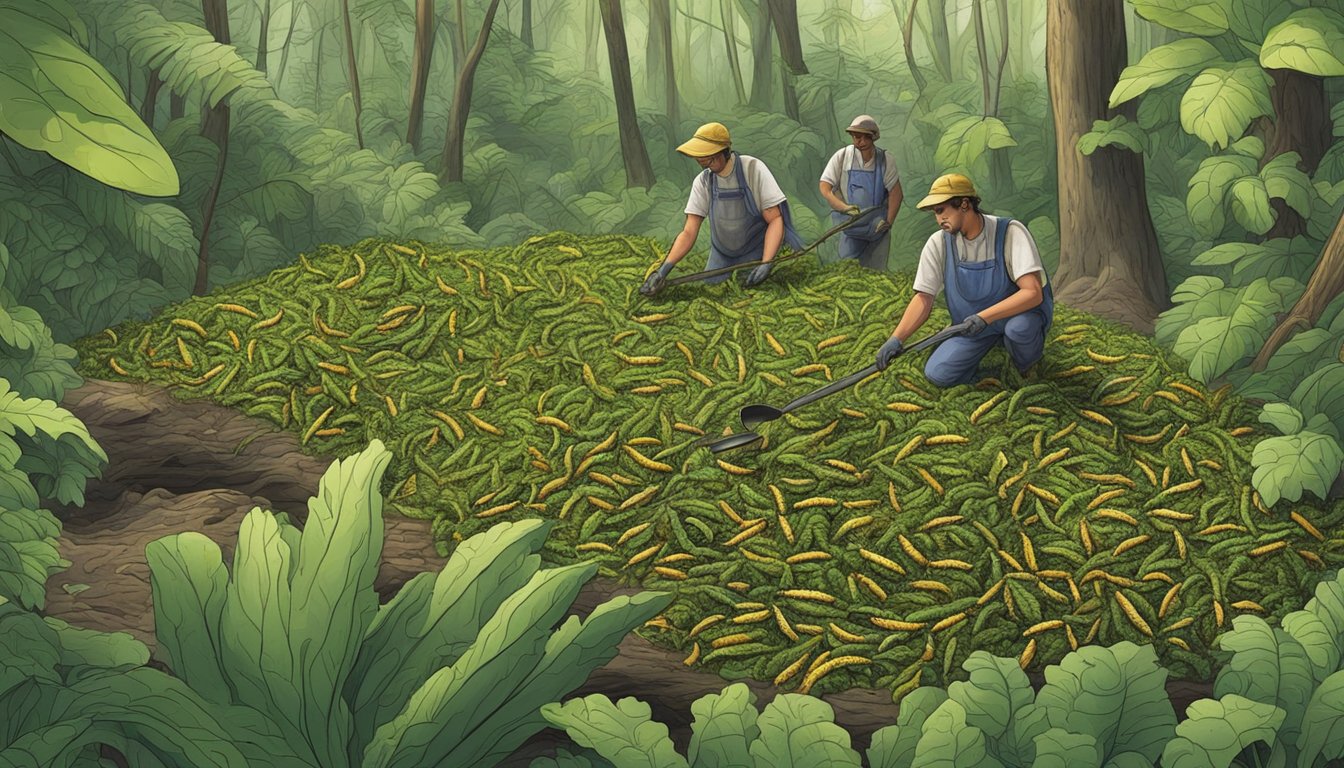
[
  {"x": 889, "y": 350},
  {"x": 974, "y": 325},
  {"x": 882, "y": 225},
  {"x": 655, "y": 281},
  {"x": 852, "y": 210},
  {"x": 758, "y": 275}
]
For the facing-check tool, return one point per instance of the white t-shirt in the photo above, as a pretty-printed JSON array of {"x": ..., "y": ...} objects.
[
  {"x": 849, "y": 157},
  {"x": 1019, "y": 254},
  {"x": 760, "y": 181}
]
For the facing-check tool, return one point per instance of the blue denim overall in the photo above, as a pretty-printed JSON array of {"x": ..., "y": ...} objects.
[
  {"x": 972, "y": 287},
  {"x": 736, "y": 228},
  {"x": 865, "y": 189}
]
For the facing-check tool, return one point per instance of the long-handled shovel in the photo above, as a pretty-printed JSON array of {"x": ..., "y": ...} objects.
[
  {"x": 756, "y": 414},
  {"x": 858, "y": 217}
]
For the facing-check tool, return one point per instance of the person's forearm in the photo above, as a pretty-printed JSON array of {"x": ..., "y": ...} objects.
[
  {"x": 774, "y": 236},
  {"x": 894, "y": 199},
  {"x": 916, "y": 312},
  {"x": 680, "y": 247},
  {"x": 1019, "y": 302},
  {"x": 832, "y": 199}
]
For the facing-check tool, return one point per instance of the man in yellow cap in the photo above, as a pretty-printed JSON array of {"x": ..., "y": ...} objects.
[
  {"x": 866, "y": 176},
  {"x": 748, "y": 214},
  {"x": 995, "y": 285}
]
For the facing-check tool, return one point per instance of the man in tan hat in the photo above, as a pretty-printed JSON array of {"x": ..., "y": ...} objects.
[
  {"x": 748, "y": 214},
  {"x": 866, "y": 176},
  {"x": 995, "y": 285}
]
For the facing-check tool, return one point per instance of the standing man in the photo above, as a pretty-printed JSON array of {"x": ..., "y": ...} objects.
[
  {"x": 867, "y": 176},
  {"x": 748, "y": 214},
  {"x": 995, "y": 283}
]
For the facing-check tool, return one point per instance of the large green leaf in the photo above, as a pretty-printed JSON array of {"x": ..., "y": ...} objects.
[
  {"x": 623, "y": 733},
  {"x": 61, "y": 101},
  {"x": 189, "y": 582},
  {"x": 1215, "y": 344},
  {"x": 1198, "y": 17},
  {"x": 1327, "y": 604},
  {"x": 29, "y": 547},
  {"x": 894, "y": 745},
  {"x": 1057, "y": 748},
  {"x": 948, "y": 741},
  {"x": 1116, "y": 694},
  {"x": 1313, "y": 634},
  {"x": 1286, "y": 182},
  {"x": 1267, "y": 665},
  {"x": 801, "y": 730},
  {"x": 1209, "y": 186},
  {"x": 59, "y": 454},
  {"x": 1288, "y": 465},
  {"x": 1322, "y": 392},
  {"x": 724, "y": 728},
  {"x": 1310, "y": 40},
  {"x": 1223, "y": 100},
  {"x": 1250, "y": 204},
  {"x": 1117, "y": 132},
  {"x": 1251, "y": 20},
  {"x": 1323, "y": 723},
  {"x": 966, "y": 140},
  {"x": 996, "y": 693},
  {"x": 1215, "y": 732},
  {"x": 1162, "y": 65},
  {"x": 1283, "y": 417}
]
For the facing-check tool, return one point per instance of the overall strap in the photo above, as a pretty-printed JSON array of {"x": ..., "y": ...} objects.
[
  {"x": 1000, "y": 235},
  {"x": 880, "y": 168},
  {"x": 752, "y": 209}
]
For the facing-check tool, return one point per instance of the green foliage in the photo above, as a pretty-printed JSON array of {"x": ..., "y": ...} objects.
[
  {"x": 1311, "y": 40},
  {"x": 1217, "y": 731},
  {"x": 451, "y": 670},
  {"x": 970, "y": 138},
  {"x": 1117, "y": 132},
  {"x": 1304, "y": 461},
  {"x": 1220, "y": 327},
  {"x": 59, "y": 100},
  {"x": 1223, "y": 100},
  {"x": 1197, "y": 17},
  {"x": 1162, "y": 65},
  {"x": 622, "y": 733}
]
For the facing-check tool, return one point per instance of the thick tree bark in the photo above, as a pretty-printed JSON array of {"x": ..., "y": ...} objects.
[
  {"x": 353, "y": 70},
  {"x": 638, "y": 170},
  {"x": 528, "y": 40},
  {"x": 660, "y": 63},
  {"x": 453, "y": 161},
  {"x": 264, "y": 37},
  {"x": 1326, "y": 283},
  {"x": 1109, "y": 262},
  {"x": 908, "y": 37},
  {"x": 785, "y": 13},
  {"x": 420, "y": 61},
  {"x": 216, "y": 129},
  {"x": 730, "y": 39},
  {"x": 942, "y": 41},
  {"x": 1301, "y": 124},
  {"x": 149, "y": 106},
  {"x": 762, "y": 46}
]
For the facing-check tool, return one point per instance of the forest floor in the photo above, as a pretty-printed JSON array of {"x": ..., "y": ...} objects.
[{"x": 177, "y": 465}]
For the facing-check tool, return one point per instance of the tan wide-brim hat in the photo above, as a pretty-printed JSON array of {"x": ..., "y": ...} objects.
[
  {"x": 864, "y": 124},
  {"x": 947, "y": 187},
  {"x": 709, "y": 139}
]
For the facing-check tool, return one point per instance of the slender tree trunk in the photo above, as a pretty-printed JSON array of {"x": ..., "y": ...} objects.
[
  {"x": 424, "y": 51},
  {"x": 790, "y": 95},
  {"x": 460, "y": 35},
  {"x": 148, "y": 107},
  {"x": 353, "y": 70},
  {"x": 177, "y": 106},
  {"x": 216, "y": 129},
  {"x": 1301, "y": 124},
  {"x": 528, "y": 40},
  {"x": 908, "y": 35},
  {"x": 762, "y": 45},
  {"x": 1109, "y": 262},
  {"x": 730, "y": 37},
  {"x": 264, "y": 37},
  {"x": 1326, "y": 283},
  {"x": 593, "y": 25},
  {"x": 289, "y": 37},
  {"x": 942, "y": 41},
  {"x": 977, "y": 12},
  {"x": 638, "y": 170},
  {"x": 660, "y": 57},
  {"x": 453, "y": 160},
  {"x": 785, "y": 13},
  {"x": 1003, "y": 55},
  {"x": 317, "y": 68}
]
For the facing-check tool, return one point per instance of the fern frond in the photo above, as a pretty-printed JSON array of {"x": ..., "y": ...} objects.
[{"x": 158, "y": 230}]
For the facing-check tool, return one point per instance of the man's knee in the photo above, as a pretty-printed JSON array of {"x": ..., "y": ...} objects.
[
  {"x": 941, "y": 374},
  {"x": 1023, "y": 329}
]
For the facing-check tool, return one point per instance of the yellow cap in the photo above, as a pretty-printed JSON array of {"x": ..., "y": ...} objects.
[
  {"x": 947, "y": 187},
  {"x": 709, "y": 139}
]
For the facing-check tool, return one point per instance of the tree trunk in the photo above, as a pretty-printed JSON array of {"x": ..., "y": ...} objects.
[
  {"x": 762, "y": 46},
  {"x": 942, "y": 41},
  {"x": 638, "y": 170},
  {"x": 216, "y": 129},
  {"x": 528, "y": 40},
  {"x": 1326, "y": 283},
  {"x": 591, "y": 25},
  {"x": 660, "y": 57},
  {"x": 460, "y": 37},
  {"x": 1301, "y": 124},
  {"x": 424, "y": 52},
  {"x": 148, "y": 107},
  {"x": 317, "y": 68},
  {"x": 1109, "y": 262},
  {"x": 790, "y": 95},
  {"x": 284, "y": 49},
  {"x": 730, "y": 37},
  {"x": 177, "y": 105},
  {"x": 263, "y": 38},
  {"x": 453, "y": 162},
  {"x": 785, "y": 13},
  {"x": 908, "y": 36},
  {"x": 353, "y": 69},
  {"x": 1003, "y": 56},
  {"x": 978, "y": 16}
]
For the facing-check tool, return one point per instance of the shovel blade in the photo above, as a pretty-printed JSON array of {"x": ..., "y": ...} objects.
[
  {"x": 755, "y": 415},
  {"x": 734, "y": 441}
]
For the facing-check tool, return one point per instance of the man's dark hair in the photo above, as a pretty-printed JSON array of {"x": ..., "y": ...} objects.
[
  {"x": 726, "y": 153},
  {"x": 955, "y": 202}
]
